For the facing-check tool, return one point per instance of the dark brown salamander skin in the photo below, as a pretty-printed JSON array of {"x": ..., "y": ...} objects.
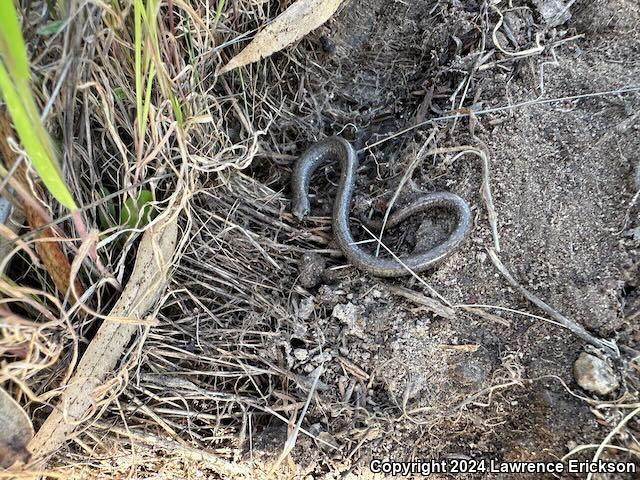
[{"x": 336, "y": 149}]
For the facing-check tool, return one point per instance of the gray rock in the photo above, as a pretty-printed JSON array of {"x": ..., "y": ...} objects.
[
  {"x": 554, "y": 12},
  {"x": 300, "y": 354},
  {"x": 307, "y": 306},
  {"x": 594, "y": 375},
  {"x": 352, "y": 316},
  {"x": 311, "y": 267}
]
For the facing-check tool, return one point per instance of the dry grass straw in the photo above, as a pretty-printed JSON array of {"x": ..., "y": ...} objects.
[{"x": 136, "y": 105}]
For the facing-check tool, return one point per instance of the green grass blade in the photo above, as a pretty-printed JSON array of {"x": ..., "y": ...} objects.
[
  {"x": 218, "y": 12},
  {"x": 16, "y": 92},
  {"x": 137, "y": 40},
  {"x": 31, "y": 136},
  {"x": 149, "y": 69},
  {"x": 11, "y": 43}
]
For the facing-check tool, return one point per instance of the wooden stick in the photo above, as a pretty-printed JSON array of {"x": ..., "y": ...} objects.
[{"x": 147, "y": 282}]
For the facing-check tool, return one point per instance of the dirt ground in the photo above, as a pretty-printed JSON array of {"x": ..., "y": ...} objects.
[
  {"x": 279, "y": 304},
  {"x": 562, "y": 175}
]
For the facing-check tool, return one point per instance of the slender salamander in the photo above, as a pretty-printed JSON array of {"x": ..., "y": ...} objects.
[{"x": 336, "y": 149}]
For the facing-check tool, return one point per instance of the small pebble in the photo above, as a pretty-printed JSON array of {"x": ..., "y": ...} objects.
[
  {"x": 322, "y": 358},
  {"x": 311, "y": 266},
  {"x": 300, "y": 354},
  {"x": 306, "y": 308},
  {"x": 594, "y": 375},
  {"x": 350, "y": 315},
  {"x": 502, "y": 40}
]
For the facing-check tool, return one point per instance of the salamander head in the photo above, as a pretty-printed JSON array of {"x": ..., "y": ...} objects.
[{"x": 300, "y": 209}]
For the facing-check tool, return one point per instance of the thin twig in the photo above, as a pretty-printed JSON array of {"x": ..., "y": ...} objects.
[{"x": 607, "y": 345}]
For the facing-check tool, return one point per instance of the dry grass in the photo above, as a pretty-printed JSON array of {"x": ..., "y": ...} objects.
[
  {"x": 85, "y": 77},
  {"x": 217, "y": 368}
]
